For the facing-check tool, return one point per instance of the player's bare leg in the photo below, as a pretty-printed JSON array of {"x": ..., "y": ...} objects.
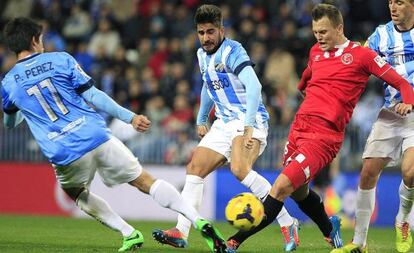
[
  {"x": 404, "y": 239},
  {"x": 167, "y": 196},
  {"x": 273, "y": 203},
  {"x": 203, "y": 162},
  {"x": 242, "y": 160},
  {"x": 99, "y": 209},
  {"x": 369, "y": 175},
  {"x": 371, "y": 170}
]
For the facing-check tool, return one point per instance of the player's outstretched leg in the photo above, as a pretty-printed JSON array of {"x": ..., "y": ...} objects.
[
  {"x": 132, "y": 242},
  {"x": 171, "y": 236},
  {"x": 167, "y": 196},
  {"x": 212, "y": 236},
  {"x": 291, "y": 235},
  {"x": 260, "y": 187},
  {"x": 99, "y": 209}
]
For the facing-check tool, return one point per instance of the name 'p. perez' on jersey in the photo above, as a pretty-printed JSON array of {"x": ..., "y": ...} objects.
[
  {"x": 219, "y": 72},
  {"x": 396, "y": 48}
]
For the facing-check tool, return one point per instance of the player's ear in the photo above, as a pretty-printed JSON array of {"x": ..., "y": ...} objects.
[
  {"x": 222, "y": 30},
  {"x": 36, "y": 44},
  {"x": 340, "y": 29}
]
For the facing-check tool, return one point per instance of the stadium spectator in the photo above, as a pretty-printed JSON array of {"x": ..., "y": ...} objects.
[
  {"x": 317, "y": 132},
  {"x": 50, "y": 91},
  {"x": 105, "y": 40},
  {"x": 78, "y": 25},
  {"x": 392, "y": 136},
  {"x": 240, "y": 130}
]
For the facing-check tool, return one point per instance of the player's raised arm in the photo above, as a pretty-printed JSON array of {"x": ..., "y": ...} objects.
[{"x": 103, "y": 102}]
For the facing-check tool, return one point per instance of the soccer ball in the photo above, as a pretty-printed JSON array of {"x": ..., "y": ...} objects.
[{"x": 244, "y": 211}]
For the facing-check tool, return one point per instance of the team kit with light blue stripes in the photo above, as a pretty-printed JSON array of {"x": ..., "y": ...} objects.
[
  {"x": 221, "y": 73},
  {"x": 397, "y": 48}
]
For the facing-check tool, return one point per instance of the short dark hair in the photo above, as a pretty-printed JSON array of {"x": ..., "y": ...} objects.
[
  {"x": 329, "y": 11},
  {"x": 208, "y": 13},
  {"x": 19, "y": 32}
]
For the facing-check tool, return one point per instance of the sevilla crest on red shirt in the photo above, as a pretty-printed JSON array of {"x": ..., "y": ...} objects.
[{"x": 347, "y": 58}]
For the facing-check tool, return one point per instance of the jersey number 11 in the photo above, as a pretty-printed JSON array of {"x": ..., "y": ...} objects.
[{"x": 34, "y": 90}]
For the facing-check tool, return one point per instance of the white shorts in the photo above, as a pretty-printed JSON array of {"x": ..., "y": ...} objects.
[
  {"x": 114, "y": 162},
  {"x": 219, "y": 138},
  {"x": 390, "y": 136}
]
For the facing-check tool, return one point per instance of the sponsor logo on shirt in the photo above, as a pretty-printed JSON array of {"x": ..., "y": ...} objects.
[
  {"x": 317, "y": 58},
  {"x": 347, "y": 58},
  {"x": 69, "y": 128},
  {"x": 379, "y": 61}
]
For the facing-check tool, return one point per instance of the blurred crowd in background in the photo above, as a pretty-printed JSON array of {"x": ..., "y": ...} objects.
[{"x": 143, "y": 54}]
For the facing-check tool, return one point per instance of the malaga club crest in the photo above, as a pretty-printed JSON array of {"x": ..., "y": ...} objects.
[{"x": 347, "y": 58}]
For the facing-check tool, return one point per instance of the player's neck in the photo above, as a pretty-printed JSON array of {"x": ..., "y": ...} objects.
[
  {"x": 341, "y": 43},
  {"x": 404, "y": 27},
  {"x": 24, "y": 54}
]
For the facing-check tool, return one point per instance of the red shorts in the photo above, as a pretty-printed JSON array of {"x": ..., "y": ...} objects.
[{"x": 313, "y": 143}]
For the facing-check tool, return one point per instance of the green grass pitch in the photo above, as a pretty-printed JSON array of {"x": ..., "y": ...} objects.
[{"x": 55, "y": 234}]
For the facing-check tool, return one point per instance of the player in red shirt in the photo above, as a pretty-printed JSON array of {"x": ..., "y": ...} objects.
[{"x": 336, "y": 76}]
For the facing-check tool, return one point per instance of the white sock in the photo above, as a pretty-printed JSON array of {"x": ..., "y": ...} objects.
[
  {"x": 406, "y": 203},
  {"x": 101, "y": 211},
  {"x": 365, "y": 207},
  {"x": 283, "y": 218},
  {"x": 167, "y": 196},
  {"x": 192, "y": 194},
  {"x": 260, "y": 187}
]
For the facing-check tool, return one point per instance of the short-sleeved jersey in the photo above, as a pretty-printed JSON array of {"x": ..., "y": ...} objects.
[
  {"x": 338, "y": 79},
  {"x": 46, "y": 89},
  {"x": 219, "y": 72},
  {"x": 396, "y": 48}
]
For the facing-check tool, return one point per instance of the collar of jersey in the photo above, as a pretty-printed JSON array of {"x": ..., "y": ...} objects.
[
  {"x": 28, "y": 57},
  {"x": 344, "y": 45}
]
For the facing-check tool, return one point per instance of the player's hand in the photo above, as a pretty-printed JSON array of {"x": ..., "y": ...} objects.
[
  {"x": 202, "y": 130},
  {"x": 140, "y": 123},
  {"x": 248, "y": 137},
  {"x": 403, "y": 109}
]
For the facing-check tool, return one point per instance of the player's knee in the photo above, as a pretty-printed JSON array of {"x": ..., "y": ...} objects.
[
  {"x": 281, "y": 191},
  {"x": 408, "y": 176},
  {"x": 369, "y": 177},
  {"x": 74, "y": 193},
  {"x": 82, "y": 201},
  {"x": 194, "y": 169}
]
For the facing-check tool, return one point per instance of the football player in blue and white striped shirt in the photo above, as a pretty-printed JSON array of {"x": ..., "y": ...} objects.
[
  {"x": 239, "y": 133},
  {"x": 392, "y": 136}
]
